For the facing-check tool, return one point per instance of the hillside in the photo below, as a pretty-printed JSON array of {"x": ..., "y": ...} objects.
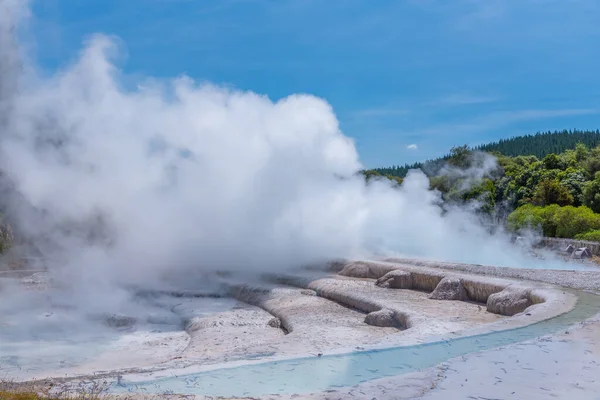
[
  {"x": 540, "y": 145},
  {"x": 557, "y": 195}
]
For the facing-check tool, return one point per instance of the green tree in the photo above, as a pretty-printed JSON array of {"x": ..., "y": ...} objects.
[
  {"x": 592, "y": 163},
  {"x": 534, "y": 217},
  {"x": 552, "y": 161},
  {"x": 543, "y": 143},
  {"x": 564, "y": 176},
  {"x": 574, "y": 180},
  {"x": 460, "y": 156},
  {"x": 569, "y": 159},
  {"x": 591, "y": 194},
  {"x": 550, "y": 191},
  {"x": 442, "y": 183},
  {"x": 568, "y": 143},
  {"x": 581, "y": 152},
  {"x": 484, "y": 194}
]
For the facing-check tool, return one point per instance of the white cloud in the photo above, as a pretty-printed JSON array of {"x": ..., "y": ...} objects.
[{"x": 412, "y": 147}]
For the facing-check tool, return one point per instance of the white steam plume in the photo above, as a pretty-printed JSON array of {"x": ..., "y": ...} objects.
[{"x": 118, "y": 186}]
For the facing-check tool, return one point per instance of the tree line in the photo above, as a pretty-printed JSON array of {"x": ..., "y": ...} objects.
[
  {"x": 540, "y": 145},
  {"x": 556, "y": 193}
]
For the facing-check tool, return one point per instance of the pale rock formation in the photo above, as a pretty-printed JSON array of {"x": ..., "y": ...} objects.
[
  {"x": 449, "y": 288},
  {"x": 396, "y": 279},
  {"x": 509, "y": 301}
]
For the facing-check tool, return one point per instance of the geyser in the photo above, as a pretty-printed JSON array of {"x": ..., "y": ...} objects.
[{"x": 121, "y": 187}]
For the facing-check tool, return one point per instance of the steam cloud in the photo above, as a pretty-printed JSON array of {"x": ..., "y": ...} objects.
[{"x": 122, "y": 186}]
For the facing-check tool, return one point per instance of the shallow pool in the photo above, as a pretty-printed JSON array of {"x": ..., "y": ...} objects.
[{"x": 49, "y": 338}]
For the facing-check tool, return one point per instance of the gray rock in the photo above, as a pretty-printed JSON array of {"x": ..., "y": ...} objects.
[
  {"x": 274, "y": 323},
  {"x": 449, "y": 289},
  {"x": 382, "y": 318},
  {"x": 509, "y": 302},
  {"x": 360, "y": 269},
  {"x": 396, "y": 279}
]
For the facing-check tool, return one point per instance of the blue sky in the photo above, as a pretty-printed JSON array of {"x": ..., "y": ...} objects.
[{"x": 407, "y": 79}]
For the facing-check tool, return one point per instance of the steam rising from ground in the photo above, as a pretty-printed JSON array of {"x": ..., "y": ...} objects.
[{"x": 117, "y": 186}]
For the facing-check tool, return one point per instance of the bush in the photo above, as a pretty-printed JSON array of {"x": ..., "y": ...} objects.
[
  {"x": 526, "y": 217},
  {"x": 593, "y": 236},
  {"x": 533, "y": 217},
  {"x": 554, "y": 221},
  {"x": 571, "y": 221},
  {"x": 548, "y": 217}
]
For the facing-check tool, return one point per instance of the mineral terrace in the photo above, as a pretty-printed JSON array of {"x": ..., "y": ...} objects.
[{"x": 343, "y": 308}]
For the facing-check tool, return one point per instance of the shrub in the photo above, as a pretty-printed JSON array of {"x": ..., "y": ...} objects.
[
  {"x": 571, "y": 221},
  {"x": 525, "y": 217},
  {"x": 554, "y": 221},
  {"x": 547, "y": 215},
  {"x": 593, "y": 236}
]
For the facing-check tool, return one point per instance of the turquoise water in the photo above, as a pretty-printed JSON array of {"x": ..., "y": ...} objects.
[{"x": 317, "y": 374}]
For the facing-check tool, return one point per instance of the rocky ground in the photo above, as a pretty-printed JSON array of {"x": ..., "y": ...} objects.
[
  {"x": 303, "y": 316},
  {"x": 576, "y": 279},
  {"x": 562, "y": 365}
]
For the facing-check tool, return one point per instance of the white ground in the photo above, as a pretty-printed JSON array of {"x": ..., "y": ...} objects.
[
  {"x": 236, "y": 333},
  {"x": 561, "y": 366}
]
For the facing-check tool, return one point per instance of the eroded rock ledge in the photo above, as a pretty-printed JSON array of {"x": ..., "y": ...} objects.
[{"x": 501, "y": 297}]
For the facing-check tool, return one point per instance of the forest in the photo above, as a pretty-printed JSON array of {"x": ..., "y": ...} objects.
[
  {"x": 540, "y": 145},
  {"x": 547, "y": 182}
]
